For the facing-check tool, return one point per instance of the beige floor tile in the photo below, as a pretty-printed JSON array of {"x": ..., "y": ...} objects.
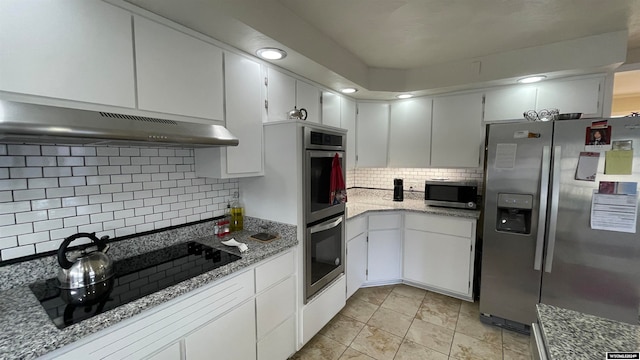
[
  {"x": 359, "y": 310},
  {"x": 433, "y": 296},
  {"x": 376, "y": 343},
  {"x": 470, "y": 308},
  {"x": 391, "y": 321},
  {"x": 375, "y": 295},
  {"x": 320, "y": 347},
  {"x": 515, "y": 341},
  {"x": 412, "y": 351},
  {"x": 467, "y": 348},
  {"x": 351, "y": 354},
  {"x": 471, "y": 326},
  {"x": 409, "y": 291},
  {"x": 439, "y": 313},
  {"x": 402, "y": 304},
  {"x": 342, "y": 329},
  {"x": 513, "y": 355},
  {"x": 432, "y": 336}
]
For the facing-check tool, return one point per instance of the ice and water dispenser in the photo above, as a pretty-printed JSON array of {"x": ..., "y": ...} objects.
[{"x": 514, "y": 213}]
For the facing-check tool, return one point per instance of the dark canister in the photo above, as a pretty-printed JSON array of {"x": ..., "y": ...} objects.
[{"x": 398, "y": 190}]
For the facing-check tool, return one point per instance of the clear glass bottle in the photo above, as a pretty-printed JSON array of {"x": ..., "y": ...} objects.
[
  {"x": 237, "y": 214},
  {"x": 227, "y": 220}
]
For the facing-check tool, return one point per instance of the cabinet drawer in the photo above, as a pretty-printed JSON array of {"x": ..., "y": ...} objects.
[
  {"x": 440, "y": 224},
  {"x": 280, "y": 343},
  {"x": 273, "y": 271},
  {"x": 356, "y": 227},
  {"x": 275, "y": 305},
  {"x": 380, "y": 222}
]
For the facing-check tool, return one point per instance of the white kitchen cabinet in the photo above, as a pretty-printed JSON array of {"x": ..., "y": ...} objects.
[
  {"x": 410, "y": 133},
  {"x": 509, "y": 103},
  {"x": 285, "y": 92},
  {"x": 456, "y": 137},
  {"x": 243, "y": 95},
  {"x": 384, "y": 249},
  {"x": 308, "y": 98},
  {"x": 177, "y": 73},
  {"x": 356, "y": 267},
  {"x": 571, "y": 96},
  {"x": 75, "y": 50},
  {"x": 331, "y": 109},
  {"x": 172, "y": 352},
  {"x": 230, "y": 337},
  {"x": 348, "y": 122},
  {"x": 439, "y": 253},
  {"x": 372, "y": 135}
]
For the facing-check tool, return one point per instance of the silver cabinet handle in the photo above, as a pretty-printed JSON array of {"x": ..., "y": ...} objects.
[
  {"x": 542, "y": 209},
  {"x": 326, "y": 225},
  {"x": 553, "y": 219}
]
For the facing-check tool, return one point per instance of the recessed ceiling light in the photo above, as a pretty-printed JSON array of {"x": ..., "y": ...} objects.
[
  {"x": 349, "y": 90},
  {"x": 404, "y": 96},
  {"x": 271, "y": 53},
  {"x": 531, "y": 79}
]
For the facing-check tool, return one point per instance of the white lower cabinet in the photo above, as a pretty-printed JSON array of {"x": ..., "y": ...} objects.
[
  {"x": 172, "y": 352},
  {"x": 356, "y": 263},
  {"x": 280, "y": 343},
  {"x": 384, "y": 252},
  {"x": 229, "y": 337}
]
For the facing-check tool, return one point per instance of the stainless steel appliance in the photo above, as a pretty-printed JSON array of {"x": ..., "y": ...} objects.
[
  {"x": 453, "y": 194},
  {"x": 324, "y": 245},
  {"x": 538, "y": 243}
]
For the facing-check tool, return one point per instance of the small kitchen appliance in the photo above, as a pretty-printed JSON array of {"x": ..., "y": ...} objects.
[
  {"x": 452, "y": 194},
  {"x": 398, "y": 190}
]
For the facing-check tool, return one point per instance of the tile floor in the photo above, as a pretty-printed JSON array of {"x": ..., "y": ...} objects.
[{"x": 405, "y": 323}]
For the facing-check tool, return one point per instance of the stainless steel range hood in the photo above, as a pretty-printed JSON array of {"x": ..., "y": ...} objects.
[{"x": 22, "y": 122}]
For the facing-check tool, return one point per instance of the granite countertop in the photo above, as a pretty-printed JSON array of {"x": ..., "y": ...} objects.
[
  {"x": 570, "y": 334},
  {"x": 27, "y": 332},
  {"x": 367, "y": 200}
]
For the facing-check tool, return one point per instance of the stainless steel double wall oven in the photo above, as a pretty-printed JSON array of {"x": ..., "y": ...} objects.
[{"x": 324, "y": 244}]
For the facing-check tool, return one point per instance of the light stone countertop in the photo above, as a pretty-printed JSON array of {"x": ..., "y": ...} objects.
[
  {"x": 570, "y": 334},
  {"x": 26, "y": 331},
  {"x": 360, "y": 201}
]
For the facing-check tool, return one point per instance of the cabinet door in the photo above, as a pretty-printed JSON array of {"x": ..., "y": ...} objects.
[
  {"x": 384, "y": 256},
  {"x": 232, "y": 336},
  {"x": 438, "y": 260},
  {"x": 330, "y": 109},
  {"x": 243, "y": 84},
  {"x": 171, "y": 352},
  {"x": 348, "y": 121},
  {"x": 570, "y": 96},
  {"x": 308, "y": 98},
  {"x": 177, "y": 73},
  {"x": 410, "y": 133},
  {"x": 509, "y": 103},
  {"x": 372, "y": 134},
  {"x": 456, "y": 136},
  {"x": 356, "y": 263},
  {"x": 281, "y": 95},
  {"x": 76, "y": 50}
]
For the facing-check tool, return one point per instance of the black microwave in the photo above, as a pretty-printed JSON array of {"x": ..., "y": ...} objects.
[{"x": 461, "y": 195}]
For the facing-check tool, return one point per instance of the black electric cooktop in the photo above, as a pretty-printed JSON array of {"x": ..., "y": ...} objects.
[{"x": 134, "y": 278}]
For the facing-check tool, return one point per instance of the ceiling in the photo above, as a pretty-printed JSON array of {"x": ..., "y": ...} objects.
[{"x": 378, "y": 46}]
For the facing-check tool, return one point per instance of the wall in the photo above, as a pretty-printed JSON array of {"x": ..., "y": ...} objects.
[
  {"x": 48, "y": 193},
  {"x": 382, "y": 178}
]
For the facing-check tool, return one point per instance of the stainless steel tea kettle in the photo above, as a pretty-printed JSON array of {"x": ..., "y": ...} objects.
[
  {"x": 89, "y": 268},
  {"x": 299, "y": 114}
]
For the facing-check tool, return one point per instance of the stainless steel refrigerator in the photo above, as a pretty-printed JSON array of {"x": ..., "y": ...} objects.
[{"x": 538, "y": 241}]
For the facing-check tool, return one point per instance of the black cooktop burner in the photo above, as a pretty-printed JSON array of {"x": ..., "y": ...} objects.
[{"x": 134, "y": 278}]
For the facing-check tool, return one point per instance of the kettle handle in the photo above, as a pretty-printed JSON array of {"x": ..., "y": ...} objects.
[
  {"x": 62, "y": 251},
  {"x": 303, "y": 117}
]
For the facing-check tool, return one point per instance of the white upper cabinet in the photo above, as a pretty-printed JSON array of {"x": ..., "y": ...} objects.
[
  {"x": 74, "y": 49},
  {"x": 308, "y": 98},
  {"x": 372, "y": 134},
  {"x": 177, "y": 73},
  {"x": 410, "y": 133},
  {"x": 509, "y": 103},
  {"x": 348, "y": 121},
  {"x": 281, "y": 95},
  {"x": 456, "y": 131},
  {"x": 571, "y": 96},
  {"x": 331, "y": 109}
]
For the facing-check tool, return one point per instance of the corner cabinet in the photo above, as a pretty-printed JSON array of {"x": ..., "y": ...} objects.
[
  {"x": 410, "y": 133},
  {"x": 456, "y": 138},
  {"x": 439, "y": 253},
  {"x": 372, "y": 138},
  {"x": 75, "y": 50},
  {"x": 243, "y": 95}
]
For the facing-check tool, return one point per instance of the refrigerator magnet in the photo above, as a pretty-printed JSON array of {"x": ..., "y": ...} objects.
[{"x": 598, "y": 139}]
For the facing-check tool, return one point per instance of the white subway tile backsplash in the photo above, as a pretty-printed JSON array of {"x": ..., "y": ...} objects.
[
  {"x": 119, "y": 160},
  {"x": 131, "y": 204},
  {"x": 172, "y": 185},
  {"x": 58, "y": 192},
  {"x": 161, "y": 224},
  {"x": 15, "y": 184},
  {"x": 64, "y": 233},
  {"x": 109, "y": 170},
  {"x": 102, "y": 217},
  {"x": 31, "y": 216},
  {"x": 123, "y": 196},
  {"x": 7, "y": 219},
  {"x": 151, "y": 185},
  {"x": 150, "y": 219},
  {"x": 99, "y": 199},
  {"x": 96, "y": 160},
  {"x": 131, "y": 169},
  {"x": 33, "y": 238},
  {"x": 76, "y": 221},
  {"x": 158, "y": 160},
  {"x": 6, "y": 161},
  {"x": 167, "y": 169},
  {"x": 152, "y": 201},
  {"x": 34, "y": 194},
  {"x": 107, "y": 151},
  {"x": 40, "y": 161},
  {"x": 183, "y": 152},
  {"x": 166, "y": 152},
  {"x": 99, "y": 180},
  {"x": 131, "y": 221},
  {"x": 42, "y": 183},
  {"x": 129, "y": 152},
  {"x": 12, "y": 207},
  {"x": 25, "y": 172},
  {"x": 48, "y": 246},
  {"x": 178, "y": 221},
  {"x": 83, "y": 151},
  {"x": 150, "y": 169},
  {"x": 23, "y": 149},
  {"x": 56, "y": 171},
  {"x": 187, "y": 168},
  {"x": 84, "y": 170},
  {"x": 55, "y": 150},
  {"x": 140, "y": 160},
  {"x": 72, "y": 181},
  {"x": 47, "y": 225},
  {"x": 3, "y": 149},
  {"x": 89, "y": 228},
  {"x": 132, "y": 187},
  {"x": 144, "y": 227},
  {"x": 87, "y": 190},
  {"x": 17, "y": 229},
  {"x": 382, "y": 178},
  {"x": 176, "y": 176},
  {"x": 168, "y": 215},
  {"x": 142, "y": 194},
  {"x": 61, "y": 213},
  {"x": 121, "y": 179},
  {"x": 16, "y": 252},
  {"x": 113, "y": 188},
  {"x": 75, "y": 200},
  {"x": 126, "y": 231},
  {"x": 4, "y": 173},
  {"x": 114, "y": 206},
  {"x": 70, "y": 161},
  {"x": 112, "y": 225},
  {"x": 8, "y": 242},
  {"x": 161, "y": 208},
  {"x": 149, "y": 152},
  {"x": 185, "y": 197},
  {"x": 45, "y": 204}
]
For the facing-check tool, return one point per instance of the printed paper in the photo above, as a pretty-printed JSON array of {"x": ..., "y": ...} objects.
[
  {"x": 587, "y": 166},
  {"x": 614, "y": 211},
  {"x": 506, "y": 156}
]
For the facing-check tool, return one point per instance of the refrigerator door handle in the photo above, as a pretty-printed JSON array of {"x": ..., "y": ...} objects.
[
  {"x": 542, "y": 213},
  {"x": 553, "y": 219}
]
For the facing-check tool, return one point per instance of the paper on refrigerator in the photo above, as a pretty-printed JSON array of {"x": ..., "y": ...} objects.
[{"x": 615, "y": 210}]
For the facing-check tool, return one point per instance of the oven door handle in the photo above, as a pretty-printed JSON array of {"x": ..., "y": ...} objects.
[
  {"x": 325, "y": 225},
  {"x": 325, "y": 154}
]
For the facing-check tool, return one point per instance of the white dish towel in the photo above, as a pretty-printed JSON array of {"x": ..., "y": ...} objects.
[{"x": 232, "y": 242}]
